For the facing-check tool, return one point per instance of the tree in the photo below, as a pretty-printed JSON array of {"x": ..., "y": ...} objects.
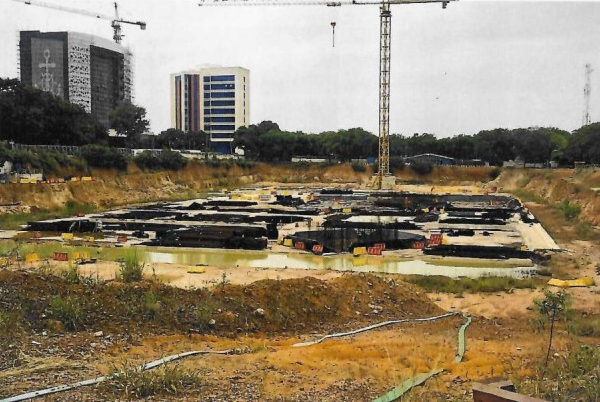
[
  {"x": 31, "y": 116},
  {"x": 129, "y": 120},
  {"x": 551, "y": 305}
]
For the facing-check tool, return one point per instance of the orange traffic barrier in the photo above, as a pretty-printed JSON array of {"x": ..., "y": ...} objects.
[
  {"x": 299, "y": 245},
  {"x": 374, "y": 251},
  {"x": 419, "y": 245},
  {"x": 379, "y": 245},
  {"x": 317, "y": 249},
  {"x": 435, "y": 239},
  {"x": 59, "y": 256},
  {"x": 122, "y": 239}
]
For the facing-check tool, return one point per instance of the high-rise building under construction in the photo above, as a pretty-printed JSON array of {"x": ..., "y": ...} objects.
[{"x": 92, "y": 72}]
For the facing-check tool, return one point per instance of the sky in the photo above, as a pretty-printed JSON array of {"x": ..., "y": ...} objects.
[{"x": 474, "y": 66}]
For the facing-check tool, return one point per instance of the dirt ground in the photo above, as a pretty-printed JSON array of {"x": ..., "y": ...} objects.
[{"x": 299, "y": 305}]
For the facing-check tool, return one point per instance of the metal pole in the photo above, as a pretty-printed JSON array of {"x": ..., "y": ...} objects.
[{"x": 384, "y": 92}]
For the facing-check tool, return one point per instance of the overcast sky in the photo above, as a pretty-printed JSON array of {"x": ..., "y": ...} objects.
[{"x": 475, "y": 65}]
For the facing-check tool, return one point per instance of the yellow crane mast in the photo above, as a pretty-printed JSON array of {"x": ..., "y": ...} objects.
[{"x": 383, "y": 172}]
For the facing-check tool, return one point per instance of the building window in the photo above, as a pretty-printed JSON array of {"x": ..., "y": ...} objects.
[
  {"x": 221, "y": 111},
  {"x": 222, "y": 95},
  {"x": 207, "y": 95},
  {"x": 207, "y": 103},
  {"x": 221, "y": 86},
  {"x": 221, "y": 119},
  {"x": 222, "y": 103},
  {"x": 221, "y": 78},
  {"x": 206, "y": 87},
  {"x": 206, "y": 79},
  {"x": 220, "y": 127}
]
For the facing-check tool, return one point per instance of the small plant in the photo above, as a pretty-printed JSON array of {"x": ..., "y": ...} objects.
[
  {"x": 551, "y": 305},
  {"x": 170, "y": 379},
  {"x": 224, "y": 281},
  {"x": 131, "y": 269},
  {"x": 151, "y": 305},
  {"x": 569, "y": 211},
  {"x": 72, "y": 274},
  {"x": 67, "y": 310}
]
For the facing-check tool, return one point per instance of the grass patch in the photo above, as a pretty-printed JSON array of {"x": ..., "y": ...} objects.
[
  {"x": 169, "y": 379},
  {"x": 68, "y": 310},
  {"x": 528, "y": 196},
  {"x": 475, "y": 263},
  {"x": 574, "y": 378},
  {"x": 443, "y": 284},
  {"x": 131, "y": 269},
  {"x": 569, "y": 211},
  {"x": 584, "y": 325},
  {"x": 71, "y": 208}
]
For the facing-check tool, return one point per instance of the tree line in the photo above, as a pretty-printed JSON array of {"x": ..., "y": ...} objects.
[{"x": 31, "y": 116}]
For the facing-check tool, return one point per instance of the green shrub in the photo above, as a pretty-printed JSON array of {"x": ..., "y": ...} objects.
[
  {"x": 131, "y": 269},
  {"x": 574, "y": 378},
  {"x": 167, "y": 159},
  {"x": 359, "y": 167},
  {"x": 68, "y": 310},
  {"x": 421, "y": 168},
  {"x": 103, "y": 157},
  {"x": 396, "y": 163},
  {"x": 494, "y": 173},
  {"x": 569, "y": 211}
]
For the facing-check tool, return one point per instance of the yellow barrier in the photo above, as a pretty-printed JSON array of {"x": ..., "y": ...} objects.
[
  {"x": 196, "y": 270},
  {"x": 83, "y": 255},
  {"x": 583, "y": 282},
  {"x": 347, "y": 210},
  {"x": 359, "y": 251},
  {"x": 87, "y": 178},
  {"x": 74, "y": 178},
  {"x": 33, "y": 257},
  {"x": 288, "y": 242},
  {"x": 67, "y": 236},
  {"x": 89, "y": 239}
]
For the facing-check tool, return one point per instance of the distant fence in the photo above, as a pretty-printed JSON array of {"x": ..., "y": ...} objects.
[{"x": 63, "y": 149}]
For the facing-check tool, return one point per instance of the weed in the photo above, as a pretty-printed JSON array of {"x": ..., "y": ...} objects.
[
  {"x": 169, "y": 379},
  {"x": 151, "y": 305},
  {"x": 584, "y": 326},
  {"x": 131, "y": 269},
  {"x": 569, "y": 211},
  {"x": 203, "y": 313},
  {"x": 484, "y": 285},
  {"x": 68, "y": 310},
  {"x": 574, "y": 378}
]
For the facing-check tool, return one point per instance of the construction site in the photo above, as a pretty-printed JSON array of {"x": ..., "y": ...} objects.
[
  {"x": 258, "y": 274},
  {"x": 339, "y": 280}
]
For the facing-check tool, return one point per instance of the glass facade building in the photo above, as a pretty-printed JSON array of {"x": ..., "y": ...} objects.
[{"x": 218, "y": 107}]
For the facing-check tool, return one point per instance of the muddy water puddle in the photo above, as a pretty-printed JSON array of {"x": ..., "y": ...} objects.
[{"x": 258, "y": 259}]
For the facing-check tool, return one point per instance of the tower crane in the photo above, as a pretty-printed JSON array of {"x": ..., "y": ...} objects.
[
  {"x": 115, "y": 20},
  {"x": 587, "y": 91},
  {"x": 384, "y": 60}
]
